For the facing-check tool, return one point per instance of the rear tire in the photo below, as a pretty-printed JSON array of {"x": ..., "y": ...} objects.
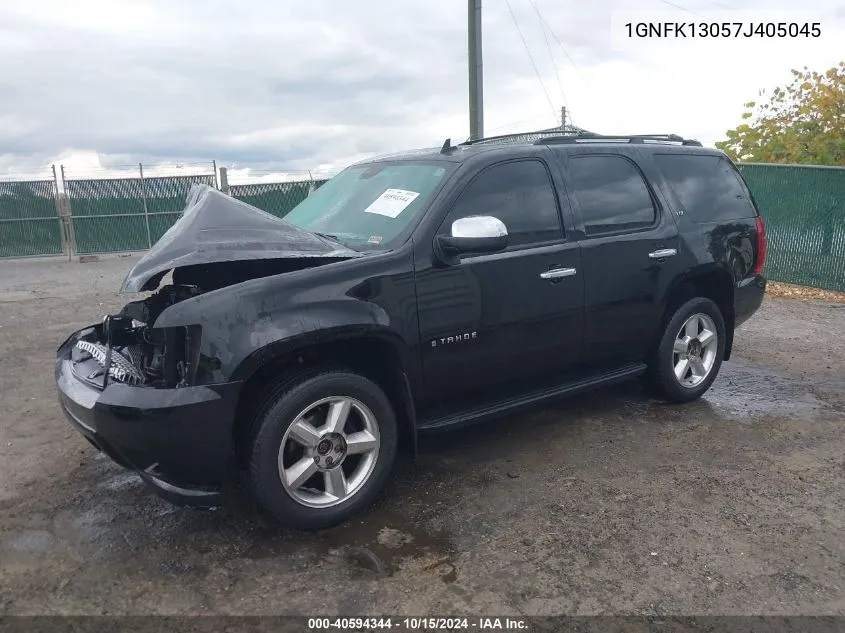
[
  {"x": 323, "y": 447},
  {"x": 689, "y": 354}
]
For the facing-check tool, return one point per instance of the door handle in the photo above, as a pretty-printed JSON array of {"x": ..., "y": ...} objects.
[
  {"x": 662, "y": 253},
  {"x": 557, "y": 272}
]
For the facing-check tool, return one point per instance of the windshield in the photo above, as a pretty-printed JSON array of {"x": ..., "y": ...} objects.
[{"x": 366, "y": 206}]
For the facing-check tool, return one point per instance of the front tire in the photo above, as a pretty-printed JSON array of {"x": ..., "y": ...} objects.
[
  {"x": 323, "y": 447},
  {"x": 689, "y": 354}
]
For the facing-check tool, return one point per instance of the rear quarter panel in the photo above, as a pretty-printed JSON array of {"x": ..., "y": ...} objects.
[{"x": 727, "y": 247}]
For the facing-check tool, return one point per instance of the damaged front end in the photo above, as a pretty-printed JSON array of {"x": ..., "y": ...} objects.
[
  {"x": 217, "y": 242},
  {"x": 146, "y": 411},
  {"x": 136, "y": 353},
  {"x": 145, "y": 394}
]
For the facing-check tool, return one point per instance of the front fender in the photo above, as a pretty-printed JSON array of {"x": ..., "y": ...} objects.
[
  {"x": 240, "y": 332},
  {"x": 243, "y": 324},
  {"x": 290, "y": 345}
]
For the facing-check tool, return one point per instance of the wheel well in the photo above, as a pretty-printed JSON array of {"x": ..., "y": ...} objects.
[
  {"x": 373, "y": 358},
  {"x": 717, "y": 287}
]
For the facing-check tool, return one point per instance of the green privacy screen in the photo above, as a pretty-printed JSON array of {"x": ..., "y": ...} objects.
[
  {"x": 804, "y": 211},
  {"x": 274, "y": 197},
  {"x": 29, "y": 222},
  {"x": 126, "y": 214}
]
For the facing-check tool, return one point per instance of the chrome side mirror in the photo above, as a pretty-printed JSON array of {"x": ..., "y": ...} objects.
[{"x": 475, "y": 234}]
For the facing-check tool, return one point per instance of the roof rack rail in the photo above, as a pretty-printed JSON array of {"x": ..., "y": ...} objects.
[
  {"x": 556, "y": 132},
  {"x": 617, "y": 138}
]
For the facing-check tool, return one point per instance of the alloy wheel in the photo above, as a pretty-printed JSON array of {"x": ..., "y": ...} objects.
[
  {"x": 329, "y": 452},
  {"x": 694, "y": 351}
]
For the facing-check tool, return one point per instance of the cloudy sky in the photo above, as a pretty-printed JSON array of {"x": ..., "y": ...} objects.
[{"x": 289, "y": 85}]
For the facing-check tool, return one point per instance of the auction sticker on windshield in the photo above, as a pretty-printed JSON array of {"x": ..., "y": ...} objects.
[{"x": 392, "y": 202}]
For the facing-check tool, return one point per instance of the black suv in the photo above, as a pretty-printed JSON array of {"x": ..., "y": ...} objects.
[{"x": 412, "y": 293}]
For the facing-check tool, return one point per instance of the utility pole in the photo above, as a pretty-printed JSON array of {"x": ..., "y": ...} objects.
[
  {"x": 476, "y": 75},
  {"x": 563, "y": 118}
]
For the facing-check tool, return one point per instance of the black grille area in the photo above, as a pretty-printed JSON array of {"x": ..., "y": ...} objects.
[{"x": 124, "y": 363}]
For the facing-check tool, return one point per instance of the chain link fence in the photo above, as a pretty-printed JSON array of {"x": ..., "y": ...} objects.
[
  {"x": 126, "y": 214},
  {"x": 29, "y": 222},
  {"x": 804, "y": 211},
  {"x": 277, "y": 197}
]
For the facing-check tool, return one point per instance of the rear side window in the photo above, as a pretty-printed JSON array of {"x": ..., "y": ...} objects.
[
  {"x": 707, "y": 187},
  {"x": 611, "y": 193}
]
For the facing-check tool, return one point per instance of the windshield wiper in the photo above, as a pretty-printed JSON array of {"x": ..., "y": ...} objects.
[
  {"x": 328, "y": 236},
  {"x": 336, "y": 239}
]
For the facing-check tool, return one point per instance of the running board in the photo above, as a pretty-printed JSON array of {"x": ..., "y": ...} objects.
[{"x": 530, "y": 399}]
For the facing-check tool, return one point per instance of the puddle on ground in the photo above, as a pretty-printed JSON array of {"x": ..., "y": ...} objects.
[
  {"x": 23, "y": 550},
  {"x": 31, "y": 541},
  {"x": 740, "y": 392},
  {"x": 378, "y": 542},
  {"x": 382, "y": 541},
  {"x": 88, "y": 530},
  {"x": 746, "y": 391}
]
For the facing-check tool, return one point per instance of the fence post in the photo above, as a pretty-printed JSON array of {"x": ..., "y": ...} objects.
[
  {"x": 214, "y": 168},
  {"x": 224, "y": 180},
  {"x": 62, "y": 227},
  {"x": 65, "y": 214},
  {"x": 311, "y": 187},
  {"x": 144, "y": 199}
]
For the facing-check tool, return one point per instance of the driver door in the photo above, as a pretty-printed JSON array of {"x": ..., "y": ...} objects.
[{"x": 513, "y": 315}]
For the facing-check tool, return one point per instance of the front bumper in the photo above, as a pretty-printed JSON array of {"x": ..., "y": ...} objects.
[{"x": 179, "y": 440}]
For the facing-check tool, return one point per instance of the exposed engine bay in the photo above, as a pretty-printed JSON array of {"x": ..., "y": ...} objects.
[{"x": 137, "y": 353}]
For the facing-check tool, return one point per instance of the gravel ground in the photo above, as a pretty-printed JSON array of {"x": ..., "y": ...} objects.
[{"x": 608, "y": 503}]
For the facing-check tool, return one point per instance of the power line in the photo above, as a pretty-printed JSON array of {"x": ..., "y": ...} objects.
[
  {"x": 527, "y": 50},
  {"x": 559, "y": 43},
  {"x": 551, "y": 55},
  {"x": 676, "y": 6},
  {"x": 514, "y": 124}
]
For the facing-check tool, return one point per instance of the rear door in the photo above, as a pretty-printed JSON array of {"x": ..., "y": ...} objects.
[{"x": 629, "y": 248}]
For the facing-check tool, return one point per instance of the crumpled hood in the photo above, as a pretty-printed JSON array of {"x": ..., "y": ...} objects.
[{"x": 215, "y": 227}]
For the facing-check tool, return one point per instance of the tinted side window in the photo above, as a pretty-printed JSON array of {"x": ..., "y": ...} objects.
[
  {"x": 707, "y": 187},
  {"x": 611, "y": 193},
  {"x": 520, "y": 194}
]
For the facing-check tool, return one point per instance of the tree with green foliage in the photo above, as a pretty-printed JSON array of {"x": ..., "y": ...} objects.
[{"x": 803, "y": 122}]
